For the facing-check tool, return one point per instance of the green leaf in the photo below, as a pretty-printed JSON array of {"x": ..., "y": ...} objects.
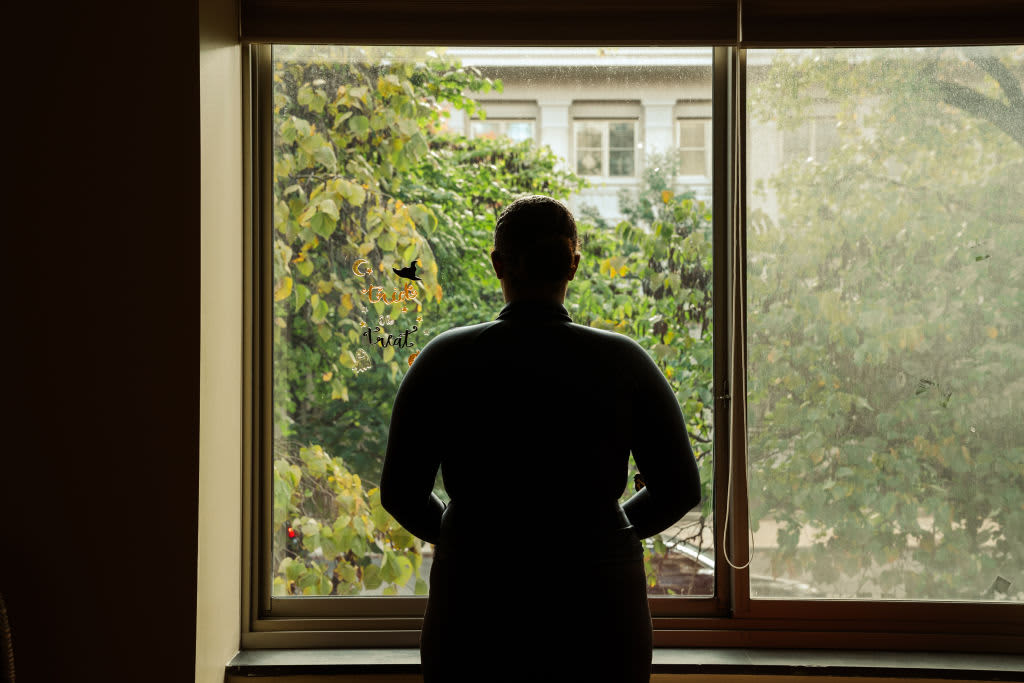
[
  {"x": 320, "y": 309},
  {"x": 423, "y": 217},
  {"x": 301, "y": 295},
  {"x": 328, "y": 207},
  {"x": 360, "y": 125},
  {"x": 322, "y": 224},
  {"x": 372, "y": 577}
]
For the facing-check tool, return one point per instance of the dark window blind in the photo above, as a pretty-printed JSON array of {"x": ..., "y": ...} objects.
[
  {"x": 510, "y": 22},
  {"x": 796, "y": 23}
]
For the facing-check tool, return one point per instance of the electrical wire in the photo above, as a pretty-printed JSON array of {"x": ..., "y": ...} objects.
[{"x": 737, "y": 326}]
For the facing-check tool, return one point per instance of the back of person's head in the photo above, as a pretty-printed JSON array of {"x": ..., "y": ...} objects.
[{"x": 535, "y": 237}]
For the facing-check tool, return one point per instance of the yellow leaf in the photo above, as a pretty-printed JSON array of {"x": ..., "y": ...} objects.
[
  {"x": 346, "y": 302},
  {"x": 992, "y": 332},
  {"x": 666, "y": 196},
  {"x": 283, "y": 290},
  {"x": 324, "y": 287},
  {"x": 437, "y": 292},
  {"x": 327, "y": 376}
]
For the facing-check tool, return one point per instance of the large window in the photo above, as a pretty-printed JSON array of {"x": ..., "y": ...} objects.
[
  {"x": 841, "y": 321},
  {"x": 382, "y": 222}
]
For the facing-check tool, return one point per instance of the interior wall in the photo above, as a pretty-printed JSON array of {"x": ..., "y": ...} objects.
[
  {"x": 99, "y": 477},
  {"x": 220, "y": 450}
]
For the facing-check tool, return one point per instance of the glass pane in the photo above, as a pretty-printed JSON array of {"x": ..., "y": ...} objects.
[
  {"x": 796, "y": 142},
  {"x": 485, "y": 129},
  {"x": 588, "y": 135},
  {"x": 620, "y": 163},
  {"x": 692, "y": 163},
  {"x": 520, "y": 131},
  {"x": 374, "y": 187},
  {"x": 886, "y": 318},
  {"x": 620, "y": 135},
  {"x": 588, "y": 162},
  {"x": 691, "y": 134}
]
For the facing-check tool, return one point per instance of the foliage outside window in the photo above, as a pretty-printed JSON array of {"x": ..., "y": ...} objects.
[
  {"x": 884, "y": 302},
  {"x": 365, "y": 182},
  {"x": 886, "y": 313}
]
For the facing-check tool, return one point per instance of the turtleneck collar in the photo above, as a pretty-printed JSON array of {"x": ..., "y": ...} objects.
[{"x": 534, "y": 311}]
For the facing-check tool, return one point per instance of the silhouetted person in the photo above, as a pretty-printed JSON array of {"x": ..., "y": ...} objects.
[{"x": 538, "y": 571}]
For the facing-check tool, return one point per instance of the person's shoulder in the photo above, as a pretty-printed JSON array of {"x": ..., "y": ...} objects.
[
  {"x": 612, "y": 341},
  {"x": 453, "y": 341}
]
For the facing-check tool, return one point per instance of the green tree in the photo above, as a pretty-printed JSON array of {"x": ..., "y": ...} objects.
[
  {"x": 886, "y": 310},
  {"x": 649, "y": 278}
]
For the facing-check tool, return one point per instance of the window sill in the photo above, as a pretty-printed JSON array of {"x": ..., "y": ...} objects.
[{"x": 723, "y": 661}]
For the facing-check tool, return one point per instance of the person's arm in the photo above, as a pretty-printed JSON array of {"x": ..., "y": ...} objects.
[
  {"x": 661, "y": 449},
  {"x": 412, "y": 458}
]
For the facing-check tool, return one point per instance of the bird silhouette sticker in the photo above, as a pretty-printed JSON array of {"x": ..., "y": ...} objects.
[{"x": 408, "y": 273}]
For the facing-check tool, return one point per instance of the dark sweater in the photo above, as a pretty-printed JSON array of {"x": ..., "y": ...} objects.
[{"x": 531, "y": 419}]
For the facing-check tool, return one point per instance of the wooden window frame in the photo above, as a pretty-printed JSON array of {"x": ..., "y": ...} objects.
[{"x": 728, "y": 619}]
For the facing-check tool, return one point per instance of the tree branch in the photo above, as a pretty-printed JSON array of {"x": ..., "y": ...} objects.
[
  {"x": 1004, "y": 117},
  {"x": 1002, "y": 74}
]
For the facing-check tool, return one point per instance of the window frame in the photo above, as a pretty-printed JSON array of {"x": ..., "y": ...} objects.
[
  {"x": 728, "y": 619},
  {"x": 606, "y": 148},
  {"x": 504, "y": 121}
]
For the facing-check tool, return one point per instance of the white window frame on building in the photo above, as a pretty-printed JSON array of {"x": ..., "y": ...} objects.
[
  {"x": 605, "y": 149},
  {"x": 604, "y": 115},
  {"x": 506, "y": 115},
  {"x": 689, "y": 114}
]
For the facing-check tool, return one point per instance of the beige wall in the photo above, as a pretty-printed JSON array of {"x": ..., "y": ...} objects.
[{"x": 220, "y": 380}]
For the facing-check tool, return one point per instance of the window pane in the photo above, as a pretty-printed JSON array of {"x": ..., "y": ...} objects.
[
  {"x": 372, "y": 188},
  {"x": 588, "y": 162},
  {"x": 620, "y": 163},
  {"x": 692, "y": 163},
  {"x": 620, "y": 135},
  {"x": 886, "y": 313},
  {"x": 588, "y": 136},
  {"x": 520, "y": 131},
  {"x": 796, "y": 142},
  {"x": 485, "y": 129},
  {"x": 691, "y": 134}
]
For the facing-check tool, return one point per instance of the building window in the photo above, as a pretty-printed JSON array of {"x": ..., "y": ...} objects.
[
  {"x": 694, "y": 145},
  {"x": 606, "y": 148},
  {"x": 517, "y": 131},
  {"x": 813, "y": 139}
]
